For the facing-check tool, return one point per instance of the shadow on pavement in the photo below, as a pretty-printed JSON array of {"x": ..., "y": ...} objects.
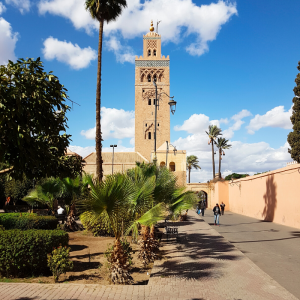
[{"x": 188, "y": 261}]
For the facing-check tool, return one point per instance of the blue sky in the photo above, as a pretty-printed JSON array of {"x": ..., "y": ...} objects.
[{"x": 231, "y": 63}]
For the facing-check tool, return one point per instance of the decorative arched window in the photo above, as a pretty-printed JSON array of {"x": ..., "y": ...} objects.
[
  {"x": 155, "y": 78},
  {"x": 154, "y": 52},
  {"x": 149, "y": 135},
  {"x": 149, "y": 78},
  {"x": 162, "y": 164},
  {"x": 146, "y": 125},
  {"x": 172, "y": 166},
  {"x": 149, "y": 52},
  {"x": 153, "y": 101},
  {"x": 149, "y": 101}
]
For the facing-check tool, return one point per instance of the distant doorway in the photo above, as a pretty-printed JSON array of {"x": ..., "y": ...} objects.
[{"x": 203, "y": 196}]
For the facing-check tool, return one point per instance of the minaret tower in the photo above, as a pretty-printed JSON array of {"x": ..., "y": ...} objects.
[{"x": 152, "y": 66}]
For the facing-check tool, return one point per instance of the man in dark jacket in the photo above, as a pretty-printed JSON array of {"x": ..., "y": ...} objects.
[
  {"x": 222, "y": 205},
  {"x": 217, "y": 212},
  {"x": 202, "y": 207}
]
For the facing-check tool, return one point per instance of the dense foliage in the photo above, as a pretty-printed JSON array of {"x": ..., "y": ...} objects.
[
  {"x": 25, "y": 221},
  {"x": 294, "y": 136},
  {"x": 32, "y": 117},
  {"x": 99, "y": 226},
  {"x": 235, "y": 176},
  {"x": 24, "y": 252},
  {"x": 17, "y": 189},
  {"x": 59, "y": 261}
]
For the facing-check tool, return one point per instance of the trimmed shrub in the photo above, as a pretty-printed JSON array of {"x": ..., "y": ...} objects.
[
  {"x": 25, "y": 221},
  {"x": 24, "y": 252},
  {"x": 99, "y": 226}
]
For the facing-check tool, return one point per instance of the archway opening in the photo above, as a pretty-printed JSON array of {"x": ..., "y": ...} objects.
[
  {"x": 162, "y": 164},
  {"x": 203, "y": 197}
]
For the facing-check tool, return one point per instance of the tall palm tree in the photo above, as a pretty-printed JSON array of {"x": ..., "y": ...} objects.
[
  {"x": 222, "y": 144},
  {"x": 213, "y": 132},
  {"x": 102, "y": 10},
  {"x": 192, "y": 162}
]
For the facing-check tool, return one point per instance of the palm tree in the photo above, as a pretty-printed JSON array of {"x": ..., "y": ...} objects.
[
  {"x": 192, "y": 162},
  {"x": 112, "y": 198},
  {"x": 222, "y": 144},
  {"x": 46, "y": 193},
  {"x": 213, "y": 132},
  {"x": 102, "y": 10}
]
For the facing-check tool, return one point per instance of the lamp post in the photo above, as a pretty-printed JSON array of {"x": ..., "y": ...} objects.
[
  {"x": 112, "y": 165},
  {"x": 172, "y": 104},
  {"x": 167, "y": 154}
]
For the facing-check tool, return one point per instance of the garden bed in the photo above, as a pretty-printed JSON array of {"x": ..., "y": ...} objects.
[{"x": 87, "y": 254}]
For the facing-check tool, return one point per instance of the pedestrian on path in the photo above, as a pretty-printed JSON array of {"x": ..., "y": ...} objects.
[
  {"x": 202, "y": 207},
  {"x": 222, "y": 208},
  {"x": 217, "y": 213}
]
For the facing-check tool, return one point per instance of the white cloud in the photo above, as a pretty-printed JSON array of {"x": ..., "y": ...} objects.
[
  {"x": 180, "y": 18},
  {"x": 22, "y": 5},
  {"x": 195, "y": 123},
  {"x": 2, "y": 8},
  {"x": 73, "y": 10},
  {"x": 68, "y": 53},
  {"x": 229, "y": 132},
  {"x": 8, "y": 40},
  {"x": 123, "y": 54},
  {"x": 242, "y": 114},
  {"x": 275, "y": 117},
  {"x": 85, "y": 151},
  {"x": 115, "y": 123}
]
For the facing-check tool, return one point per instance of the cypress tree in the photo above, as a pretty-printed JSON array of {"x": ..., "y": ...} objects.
[{"x": 294, "y": 136}]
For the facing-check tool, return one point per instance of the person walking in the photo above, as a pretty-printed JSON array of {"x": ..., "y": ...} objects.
[
  {"x": 202, "y": 207},
  {"x": 222, "y": 205},
  {"x": 217, "y": 213}
]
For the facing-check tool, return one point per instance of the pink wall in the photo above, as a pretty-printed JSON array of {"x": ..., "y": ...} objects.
[
  {"x": 272, "y": 196},
  {"x": 220, "y": 193}
]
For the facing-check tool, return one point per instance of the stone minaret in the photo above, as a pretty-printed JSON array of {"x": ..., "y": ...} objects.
[{"x": 151, "y": 66}]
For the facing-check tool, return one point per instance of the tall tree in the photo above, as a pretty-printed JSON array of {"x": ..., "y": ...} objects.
[
  {"x": 294, "y": 136},
  {"x": 222, "y": 144},
  {"x": 32, "y": 119},
  {"x": 192, "y": 162},
  {"x": 213, "y": 132},
  {"x": 102, "y": 10}
]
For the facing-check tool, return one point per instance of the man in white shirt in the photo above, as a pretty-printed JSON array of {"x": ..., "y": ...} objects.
[{"x": 60, "y": 211}]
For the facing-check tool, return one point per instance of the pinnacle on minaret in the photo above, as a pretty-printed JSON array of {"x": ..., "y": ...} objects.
[{"x": 151, "y": 28}]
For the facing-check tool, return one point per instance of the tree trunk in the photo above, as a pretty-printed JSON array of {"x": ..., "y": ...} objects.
[
  {"x": 6, "y": 170},
  {"x": 99, "y": 171},
  {"x": 220, "y": 162},
  {"x": 189, "y": 175},
  {"x": 213, "y": 158}
]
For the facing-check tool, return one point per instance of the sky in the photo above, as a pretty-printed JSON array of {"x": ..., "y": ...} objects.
[{"x": 232, "y": 64}]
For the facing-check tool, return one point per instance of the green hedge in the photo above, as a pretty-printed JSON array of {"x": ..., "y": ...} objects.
[
  {"x": 24, "y": 252},
  {"x": 25, "y": 221}
]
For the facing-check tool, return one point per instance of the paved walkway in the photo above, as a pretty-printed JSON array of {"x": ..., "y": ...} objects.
[
  {"x": 200, "y": 265},
  {"x": 272, "y": 247}
]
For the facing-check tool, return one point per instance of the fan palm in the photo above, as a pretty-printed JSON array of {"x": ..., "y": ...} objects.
[
  {"x": 213, "y": 132},
  {"x": 222, "y": 144},
  {"x": 102, "y": 10},
  {"x": 46, "y": 193},
  {"x": 112, "y": 198},
  {"x": 192, "y": 162}
]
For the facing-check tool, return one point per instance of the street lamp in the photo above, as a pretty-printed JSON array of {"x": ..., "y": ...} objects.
[
  {"x": 175, "y": 150},
  {"x": 172, "y": 104},
  {"x": 112, "y": 165}
]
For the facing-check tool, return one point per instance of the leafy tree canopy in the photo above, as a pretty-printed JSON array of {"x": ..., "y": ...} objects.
[
  {"x": 294, "y": 136},
  {"x": 32, "y": 119},
  {"x": 235, "y": 176}
]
